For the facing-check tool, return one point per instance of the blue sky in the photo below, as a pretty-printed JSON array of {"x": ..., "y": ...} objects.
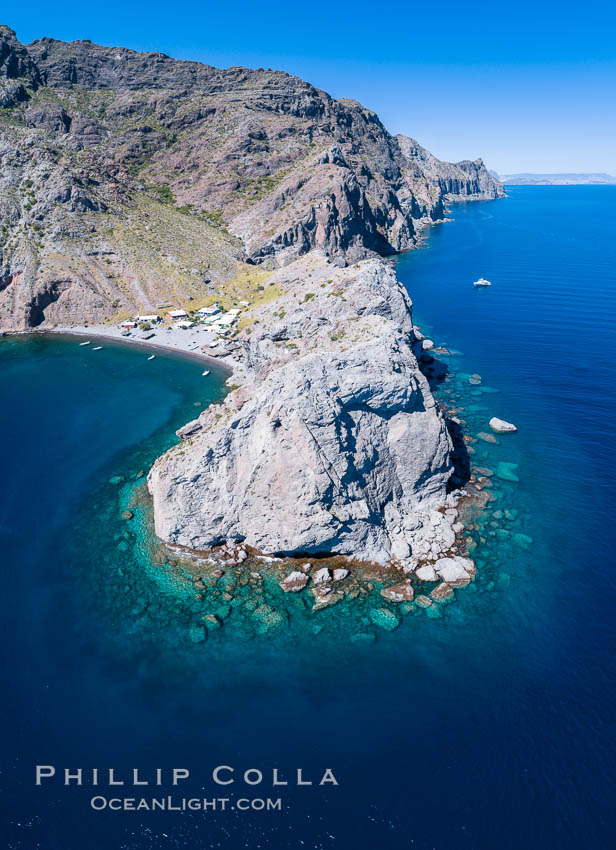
[{"x": 529, "y": 86}]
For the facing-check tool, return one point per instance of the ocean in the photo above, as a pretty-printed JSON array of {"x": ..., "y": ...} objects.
[{"x": 485, "y": 723}]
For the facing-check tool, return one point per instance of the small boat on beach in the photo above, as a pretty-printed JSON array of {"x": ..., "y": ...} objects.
[
  {"x": 85, "y": 343},
  {"x": 482, "y": 282},
  {"x": 151, "y": 357},
  {"x": 97, "y": 348},
  {"x": 207, "y": 372}
]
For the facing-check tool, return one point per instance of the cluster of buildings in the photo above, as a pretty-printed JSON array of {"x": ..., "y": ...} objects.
[
  {"x": 213, "y": 316},
  {"x": 217, "y": 320}
]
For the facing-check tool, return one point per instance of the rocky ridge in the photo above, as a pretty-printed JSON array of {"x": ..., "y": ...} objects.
[{"x": 130, "y": 178}]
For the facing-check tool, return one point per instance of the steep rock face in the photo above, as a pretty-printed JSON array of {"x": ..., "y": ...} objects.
[
  {"x": 335, "y": 443},
  {"x": 464, "y": 180},
  {"x": 15, "y": 61},
  {"x": 264, "y": 156}
]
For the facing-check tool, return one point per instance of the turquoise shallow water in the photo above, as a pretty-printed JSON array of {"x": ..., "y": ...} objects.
[{"x": 491, "y": 725}]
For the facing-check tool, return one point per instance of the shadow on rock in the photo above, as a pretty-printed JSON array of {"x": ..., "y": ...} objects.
[{"x": 459, "y": 457}]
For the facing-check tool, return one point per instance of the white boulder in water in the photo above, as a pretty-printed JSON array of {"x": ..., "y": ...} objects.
[
  {"x": 322, "y": 576},
  {"x": 294, "y": 582},
  {"x": 455, "y": 571},
  {"x": 500, "y": 426}
]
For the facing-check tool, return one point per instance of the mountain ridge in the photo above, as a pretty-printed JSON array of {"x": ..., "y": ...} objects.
[{"x": 257, "y": 166}]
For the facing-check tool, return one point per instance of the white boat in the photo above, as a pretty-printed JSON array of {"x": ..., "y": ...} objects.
[
  {"x": 85, "y": 343},
  {"x": 97, "y": 348},
  {"x": 207, "y": 372},
  {"x": 482, "y": 282},
  {"x": 151, "y": 357}
]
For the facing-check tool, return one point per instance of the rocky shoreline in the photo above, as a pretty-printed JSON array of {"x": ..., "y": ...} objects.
[{"x": 236, "y": 591}]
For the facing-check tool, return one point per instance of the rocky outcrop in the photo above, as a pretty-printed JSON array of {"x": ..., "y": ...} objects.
[
  {"x": 464, "y": 180},
  {"x": 334, "y": 445}
]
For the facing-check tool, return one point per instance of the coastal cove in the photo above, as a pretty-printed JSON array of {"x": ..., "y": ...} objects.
[{"x": 483, "y": 722}]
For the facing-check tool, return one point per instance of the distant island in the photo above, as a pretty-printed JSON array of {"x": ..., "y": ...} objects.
[{"x": 573, "y": 179}]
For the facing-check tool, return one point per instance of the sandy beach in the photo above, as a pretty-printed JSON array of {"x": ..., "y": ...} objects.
[{"x": 187, "y": 342}]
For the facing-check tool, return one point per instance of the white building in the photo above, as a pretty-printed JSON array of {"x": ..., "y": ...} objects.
[
  {"x": 225, "y": 322},
  {"x": 212, "y": 310},
  {"x": 177, "y": 314}
]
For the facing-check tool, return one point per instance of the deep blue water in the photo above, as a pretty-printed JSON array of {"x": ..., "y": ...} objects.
[{"x": 489, "y": 726}]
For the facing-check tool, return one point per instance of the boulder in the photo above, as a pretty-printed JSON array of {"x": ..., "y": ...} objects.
[
  {"x": 340, "y": 574},
  {"x": 212, "y": 621},
  {"x": 384, "y": 619},
  {"x": 487, "y": 438},
  {"x": 442, "y": 592},
  {"x": 426, "y": 573},
  {"x": 267, "y": 618},
  {"x": 402, "y": 592},
  {"x": 423, "y": 601},
  {"x": 400, "y": 549},
  {"x": 294, "y": 582},
  {"x": 500, "y": 426},
  {"x": 322, "y": 576},
  {"x": 455, "y": 571},
  {"x": 324, "y": 596}
]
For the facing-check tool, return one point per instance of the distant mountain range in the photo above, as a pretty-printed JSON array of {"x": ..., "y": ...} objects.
[{"x": 526, "y": 179}]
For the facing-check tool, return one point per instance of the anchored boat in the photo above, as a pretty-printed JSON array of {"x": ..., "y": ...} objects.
[{"x": 482, "y": 282}]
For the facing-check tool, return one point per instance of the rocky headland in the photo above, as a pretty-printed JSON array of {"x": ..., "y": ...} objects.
[{"x": 128, "y": 179}]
